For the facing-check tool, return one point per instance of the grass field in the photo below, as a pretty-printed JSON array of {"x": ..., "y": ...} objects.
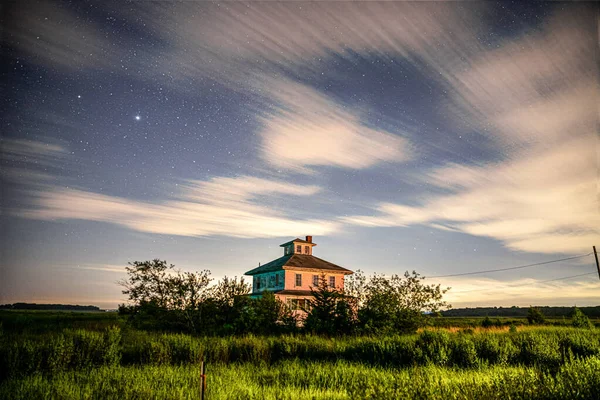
[{"x": 98, "y": 356}]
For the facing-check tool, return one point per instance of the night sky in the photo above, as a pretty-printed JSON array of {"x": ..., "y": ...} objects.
[{"x": 444, "y": 138}]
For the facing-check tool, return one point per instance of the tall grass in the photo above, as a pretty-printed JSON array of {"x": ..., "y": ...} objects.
[
  {"x": 546, "y": 348},
  {"x": 577, "y": 379},
  {"x": 113, "y": 362}
]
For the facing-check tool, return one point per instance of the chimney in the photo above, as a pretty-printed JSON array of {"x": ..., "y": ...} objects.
[{"x": 309, "y": 239}]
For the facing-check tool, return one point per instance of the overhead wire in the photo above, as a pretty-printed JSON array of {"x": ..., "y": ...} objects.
[
  {"x": 526, "y": 284},
  {"x": 511, "y": 268}
]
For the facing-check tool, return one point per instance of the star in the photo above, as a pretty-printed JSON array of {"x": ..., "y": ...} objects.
[{"x": 137, "y": 118}]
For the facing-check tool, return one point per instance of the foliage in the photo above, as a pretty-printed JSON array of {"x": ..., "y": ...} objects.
[
  {"x": 267, "y": 315},
  {"x": 296, "y": 379},
  {"x": 514, "y": 311},
  {"x": 51, "y": 352},
  {"x": 329, "y": 312},
  {"x": 399, "y": 303},
  {"x": 163, "y": 297},
  {"x": 580, "y": 320},
  {"x": 535, "y": 316}
]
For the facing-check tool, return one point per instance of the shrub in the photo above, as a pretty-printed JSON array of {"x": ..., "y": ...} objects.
[
  {"x": 464, "y": 353},
  {"x": 435, "y": 346},
  {"x": 580, "y": 320},
  {"x": 535, "y": 316}
]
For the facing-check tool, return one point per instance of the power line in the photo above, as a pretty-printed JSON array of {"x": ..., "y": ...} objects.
[
  {"x": 526, "y": 284},
  {"x": 512, "y": 268}
]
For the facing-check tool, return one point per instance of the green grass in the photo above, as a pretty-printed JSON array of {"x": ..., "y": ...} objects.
[
  {"x": 98, "y": 356},
  {"x": 473, "y": 322},
  {"x": 19, "y": 321},
  {"x": 299, "y": 380},
  {"x": 545, "y": 347}
]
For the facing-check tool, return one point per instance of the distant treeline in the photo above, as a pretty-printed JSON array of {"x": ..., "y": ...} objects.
[
  {"x": 519, "y": 311},
  {"x": 47, "y": 307}
]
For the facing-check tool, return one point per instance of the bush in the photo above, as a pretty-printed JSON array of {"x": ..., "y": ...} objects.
[
  {"x": 535, "y": 316},
  {"x": 435, "y": 346},
  {"x": 580, "y": 320}
]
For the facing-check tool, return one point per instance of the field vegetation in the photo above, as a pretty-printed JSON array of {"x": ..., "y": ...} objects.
[
  {"x": 104, "y": 357},
  {"x": 372, "y": 340}
]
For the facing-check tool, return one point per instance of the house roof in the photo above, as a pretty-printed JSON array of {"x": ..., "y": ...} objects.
[
  {"x": 295, "y": 292},
  {"x": 290, "y": 292},
  {"x": 297, "y": 240},
  {"x": 299, "y": 262}
]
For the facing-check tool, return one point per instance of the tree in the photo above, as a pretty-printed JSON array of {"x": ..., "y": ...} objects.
[
  {"x": 228, "y": 298},
  {"x": 580, "y": 320},
  {"x": 163, "y": 297},
  {"x": 266, "y": 315},
  {"x": 399, "y": 303},
  {"x": 329, "y": 312},
  {"x": 535, "y": 316},
  {"x": 355, "y": 287}
]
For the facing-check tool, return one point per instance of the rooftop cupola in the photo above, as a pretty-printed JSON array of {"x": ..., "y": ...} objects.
[{"x": 298, "y": 246}]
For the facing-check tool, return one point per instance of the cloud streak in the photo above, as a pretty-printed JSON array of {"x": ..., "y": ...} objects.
[
  {"x": 31, "y": 151},
  {"x": 536, "y": 98},
  {"x": 306, "y": 129},
  {"x": 221, "y": 206},
  {"x": 483, "y": 292},
  {"x": 51, "y": 35}
]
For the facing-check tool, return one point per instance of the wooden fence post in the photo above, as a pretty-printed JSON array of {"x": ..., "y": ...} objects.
[{"x": 202, "y": 379}]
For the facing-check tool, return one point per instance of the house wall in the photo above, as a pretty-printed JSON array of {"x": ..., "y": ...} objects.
[
  {"x": 307, "y": 279},
  {"x": 268, "y": 283},
  {"x": 305, "y": 249}
]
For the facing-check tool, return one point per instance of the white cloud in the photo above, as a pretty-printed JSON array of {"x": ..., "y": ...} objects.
[
  {"x": 226, "y": 41},
  {"x": 536, "y": 90},
  {"x": 222, "y": 206},
  {"x": 482, "y": 292},
  {"x": 536, "y": 98},
  {"x": 26, "y": 159},
  {"x": 53, "y": 36},
  {"x": 308, "y": 129},
  {"x": 546, "y": 203},
  {"x": 31, "y": 151},
  {"x": 120, "y": 269}
]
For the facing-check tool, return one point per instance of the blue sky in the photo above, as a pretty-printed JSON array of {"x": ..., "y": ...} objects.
[{"x": 444, "y": 138}]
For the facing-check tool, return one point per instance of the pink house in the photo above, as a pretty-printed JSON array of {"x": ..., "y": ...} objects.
[{"x": 292, "y": 276}]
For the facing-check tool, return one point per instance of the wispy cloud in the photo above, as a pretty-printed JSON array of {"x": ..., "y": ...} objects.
[
  {"x": 537, "y": 99},
  {"x": 28, "y": 161},
  {"x": 545, "y": 203},
  {"x": 483, "y": 292},
  {"x": 226, "y": 41},
  {"x": 53, "y": 36},
  {"x": 306, "y": 128},
  {"x": 31, "y": 151},
  {"x": 118, "y": 269},
  {"x": 221, "y": 206}
]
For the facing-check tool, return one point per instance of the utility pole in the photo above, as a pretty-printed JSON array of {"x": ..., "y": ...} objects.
[{"x": 597, "y": 264}]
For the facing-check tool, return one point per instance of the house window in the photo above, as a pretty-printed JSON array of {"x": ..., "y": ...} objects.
[
  {"x": 277, "y": 280},
  {"x": 298, "y": 249},
  {"x": 298, "y": 279},
  {"x": 306, "y": 250},
  {"x": 257, "y": 280},
  {"x": 332, "y": 281},
  {"x": 315, "y": 280},
  {"x": 297, "y": 304}
]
